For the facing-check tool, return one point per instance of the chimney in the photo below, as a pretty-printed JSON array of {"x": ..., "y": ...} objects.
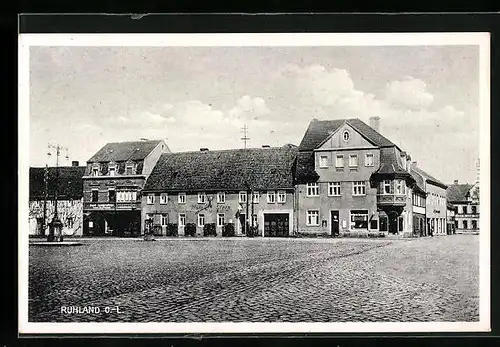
[
  {"x": 413, "y": 163},
  {"x": 266, "y": 146},
  {"x": 455, "y": 182},
  {"x": 75, "y": 163},
  {"x": 203, "y": 149},
  {"x": 375, "y": 123}
]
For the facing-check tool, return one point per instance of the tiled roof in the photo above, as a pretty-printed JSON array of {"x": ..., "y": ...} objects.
[
  {"x": 122, "y": 151},
  {"x": 304, "y": 169},
  {"x": 319, "y": 130},
  {"x": 419, "y": 180},
  {"x": 390, "y": 162},
  {"x": 261, "y": 168},
  {"x": 429, "y": 178},
  {"x": 70, "y": 182},
  {"x": 458, "y": 192}
]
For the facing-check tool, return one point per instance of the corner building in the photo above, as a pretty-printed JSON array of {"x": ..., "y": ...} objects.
[
  {"x": 112, "y": 185},
  {"x": 242, "y": 187},
  {"x": 350, "y": 180}
]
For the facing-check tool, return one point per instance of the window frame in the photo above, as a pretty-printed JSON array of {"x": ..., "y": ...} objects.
[
  {"x": 202, "y": 197},
  {"x": 331, "y": 188},
  {"x": 372, "y": 159},
  {"x": 223, "y": 219},
  {"x": 385, "y": 185},
  {"x": 163, "y": 198},
  {"x": 270, "y": 194},
  {"x": 344, "y": 133},
  {"x": 201, "y": 216},
  {"x": 96, "y": 196},
  {"x": 311, "y": 188},
  {"x": 322, "y": 164},
  {"x": 356, "y": 184},
  {"x": 131, "y": 166},
  {"x": 219, "y": 199},
  {"x": 164, "y": 217},
  {"x": 281, "y": 193},
  {"x": 357, "y": 160},
  {"x": 255, "y": 197},
  {"x": 181, "y": 216},
  {"x": 181, "y": 198},
  {"x": 240, "y": 195},
  {"x": 309, "y": 214},
  {"x": 341, "y": 157},
  {"x": 150, "y": 199},
  {"x": 112, "y": 168},
  {"x": 353, "y": 213},
  {"x": 109, "y": 194}
]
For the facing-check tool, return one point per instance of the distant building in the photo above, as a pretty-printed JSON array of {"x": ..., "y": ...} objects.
[
  {"x": 352, "y": 180},
  {"x": 69, "y": 203},
  {"x": 465, "y": 199},
  {"x": 114, "y": 178},
  {"x": 435, "y": 209},
  {"x": 222, "y": 187}
]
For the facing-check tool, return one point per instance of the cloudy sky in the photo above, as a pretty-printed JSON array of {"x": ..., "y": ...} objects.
[{"x": 426, "y": 96}]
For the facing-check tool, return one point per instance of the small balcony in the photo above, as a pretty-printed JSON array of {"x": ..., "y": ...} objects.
[{"x": 391, "y": 200}]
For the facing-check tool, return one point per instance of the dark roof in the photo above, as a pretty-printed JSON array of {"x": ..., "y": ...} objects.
[
  {"x": 390, "y": 162},
  {"x": 419, "y": 180},
  {"x": 70, "y": 182},
  {"x": 319, "y": 130},
  {"x": 304, "y": 169},
  {"x": 122, "y": 151},
  {"x": 265, "y": 168},
  {"x": 458, "y": 192},
  {"x": 429, "y": 178}
]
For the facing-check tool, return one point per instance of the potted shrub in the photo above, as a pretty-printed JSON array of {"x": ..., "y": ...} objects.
[
  {"x": 190, "y": 229},
  {"x": 228, "y": 230},
  {"x": 157, "y": 231},
  {"x": 209, "y": 229},
  {"x": 253, "y": 231},
  {"x": 172, "y": 229}
]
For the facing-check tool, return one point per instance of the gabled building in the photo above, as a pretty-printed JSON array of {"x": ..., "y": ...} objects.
[
  {"x": 465, "y": 200},
  {"x": 242, "y": 187},
  {"x": 351, "y": 179},
  {"x": 114, "y": 178},
  {"x": 43, "y": 183},
  {"x": 436, "y": 206}
]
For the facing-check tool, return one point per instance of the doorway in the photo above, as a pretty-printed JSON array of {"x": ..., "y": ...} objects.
[
  {"x": 276, "y": 224},
  {"x": 242, "y": 219},
  {"x": 335, "y": 223}
]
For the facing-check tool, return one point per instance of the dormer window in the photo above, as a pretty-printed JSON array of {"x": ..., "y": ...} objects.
[
  {"x": 129, "y": 169},
  {"x": 95, "y": 170},
  {"x": 346, "y": 136},
  {"x": 112, "y": 169}
]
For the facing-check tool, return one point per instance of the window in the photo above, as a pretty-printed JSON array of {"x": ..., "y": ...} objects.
[
  {"x": 151, "y": 199},
  {"x": 281, "y": 196},
  {"x": 202, "y": 197},
  {"x": 129, "y": 169},
  {"x": 163, "y": 198},
  {"x": 220, "y": 219},
  {"x": 400, "y": 187},
  {"x": 359, "y": 219},
  {"x": 271, "y": 197},
  {"x": 358, "y": 188},
  {"x": 255, "y": 197},
  {"x": 69, "y": 222},
  {"x": 465, "y": 224},
  {"x": 95, "y": 195},
  {"x": 474, "y": 209},
  {"x": 346, "y": 135},
  {"x": 312, "y": 189},
  {"x": 164, "y": 219},
  {"x": 464, "y": 209},
  {"x": 221, "y": 198},
  {"x": 334, "y": 188},
  {"x": 182, "y": 219},
  {"x": 353, "y": 160},
  {"x": 112, "y": 170},
  {"x": 323, "y": 161},
  {"x": 111, "y": 195},
  {"x": 384, "y": 224},
  {"x": 339, "y": 161},
  {"x": 374, "y": 224},
  {"x": 369, "y": 159},
  {"x": 201, "y": 220},
  {"x": 95, "y": 171},
  {"x": 242, "y": 197},
  {"x": 474, "y": 224},
  {"x": 387, "y": 187},
  {"x": 181, "y": 198},
  {"x": 313, "y": 217}
]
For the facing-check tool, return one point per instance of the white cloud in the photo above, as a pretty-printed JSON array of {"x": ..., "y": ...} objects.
[{"x": 410, "y": 93}]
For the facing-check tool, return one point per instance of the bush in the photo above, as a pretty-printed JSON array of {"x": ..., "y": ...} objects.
[
  {"x": 157, "y": 230},
  {"x": 209, "y": 229},
  {"x": 172, "y": 229},
  {"x": 190, "y": 229},
  {"x": 228, "y": 230}
]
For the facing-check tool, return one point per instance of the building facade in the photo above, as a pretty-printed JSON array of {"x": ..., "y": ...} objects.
[
  {"x": 42, "y": 192},
  {"x": 114, "y": 178},
  {"x": 243, "y": 187},
  {"x": 436, "y": 202},
  {"x": 352, "y": 180},
  {"x": 465, "y": 200}
]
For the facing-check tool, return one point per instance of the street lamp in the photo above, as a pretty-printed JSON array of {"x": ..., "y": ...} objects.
[{"x": 55, "y": 226}]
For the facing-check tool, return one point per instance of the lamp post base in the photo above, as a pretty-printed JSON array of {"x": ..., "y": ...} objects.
[{"x": 55, "y": 231}]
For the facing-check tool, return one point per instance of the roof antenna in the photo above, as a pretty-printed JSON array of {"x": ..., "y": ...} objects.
[{"x": 245, "y": 137}]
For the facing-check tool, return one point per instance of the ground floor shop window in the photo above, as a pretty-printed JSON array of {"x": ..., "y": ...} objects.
[{"x": 359, "y": 219}]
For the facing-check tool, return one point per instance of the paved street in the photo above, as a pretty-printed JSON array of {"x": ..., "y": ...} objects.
[{"x": 282, "y": 280}]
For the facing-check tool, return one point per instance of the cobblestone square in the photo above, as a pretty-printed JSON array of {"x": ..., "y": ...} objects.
[{"x": 258, "y": 280}]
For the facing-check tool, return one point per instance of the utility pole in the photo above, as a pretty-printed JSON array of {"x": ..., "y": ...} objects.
[
  {"x": 246, "y": 215},
  {"x": 245, "y": 137},
  {"x": 56, "y": 223},
  {"x": 46, "y": 195}
]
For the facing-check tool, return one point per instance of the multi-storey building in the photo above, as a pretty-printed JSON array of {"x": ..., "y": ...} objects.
[
  {"x": 114, "y": 178},
  {"x": 419, "y": 202},
  {"x": 222, "y": 187},
  {"x": 465, "y": 200},
  {"x": 351, "y": 179},
  {"x": 436, "y": 206},
  {"x": 42, "y": 194}
]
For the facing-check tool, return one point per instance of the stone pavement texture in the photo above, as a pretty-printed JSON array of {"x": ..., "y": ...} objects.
[{"x": 259, "y": 280}]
